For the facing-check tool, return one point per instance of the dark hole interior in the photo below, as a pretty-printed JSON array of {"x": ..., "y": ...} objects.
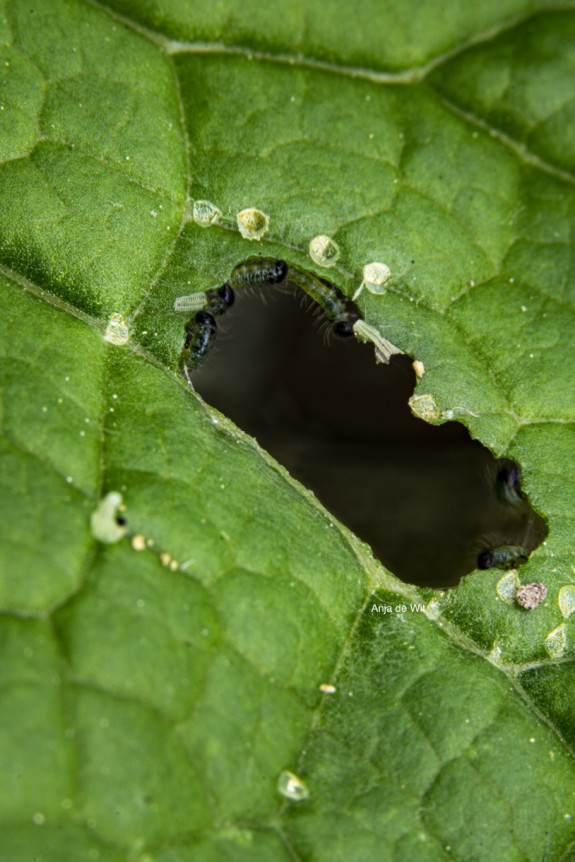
[{"x": 427, "y": 499}]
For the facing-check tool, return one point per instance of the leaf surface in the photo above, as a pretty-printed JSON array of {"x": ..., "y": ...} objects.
[{"x": 155, "y": 690}]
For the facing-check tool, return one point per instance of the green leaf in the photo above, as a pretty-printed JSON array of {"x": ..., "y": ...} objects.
[{"x": 156, "y": 690}]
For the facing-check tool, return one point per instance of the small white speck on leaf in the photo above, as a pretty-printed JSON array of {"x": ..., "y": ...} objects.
[
  {"x": 292, "y": 787},
  {"x": 139, "y": 543}
]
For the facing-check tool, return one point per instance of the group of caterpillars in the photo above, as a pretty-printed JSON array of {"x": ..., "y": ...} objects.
[
  {"x": 201, "y": 329},
  {"x": 345, "y": 320},
  {"x": 340, "y": 311}
]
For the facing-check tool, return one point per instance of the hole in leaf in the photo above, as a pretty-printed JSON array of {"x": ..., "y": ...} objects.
[{"x": 428, "y": 500}]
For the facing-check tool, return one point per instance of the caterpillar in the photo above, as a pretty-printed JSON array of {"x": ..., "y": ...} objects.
[
  {"x": 504, "y": 557},
  {"x": 508, "y": 484},
  {"x": 340, "y": 311},
  {"x": 200, "y": 336},
  {"x": 258, "y": 270}
]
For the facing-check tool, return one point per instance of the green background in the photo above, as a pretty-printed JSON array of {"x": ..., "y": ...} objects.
[{"x": 150, "y": 700}]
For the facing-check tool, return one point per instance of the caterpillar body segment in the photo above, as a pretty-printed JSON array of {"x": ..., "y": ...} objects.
[
  {"x": 200, "y": 336},
  {"x": 340, "y": 311}
]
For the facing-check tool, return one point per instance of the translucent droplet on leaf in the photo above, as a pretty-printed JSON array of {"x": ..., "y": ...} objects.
[
  {"x": 117, "y": 331},
  {"x": 556, "y": 641},
  {"x": 566, "y": 599},
  {"x": 252, "y": 223},
  {"x": 507, "y": 586},
  {"x": 424, "y": 407},
  {"x": 292, "y": 787},
  {"x": 323, "y": 251},
  {"x": 375, "y": 275},
  {"x": 205, "y": 213}
]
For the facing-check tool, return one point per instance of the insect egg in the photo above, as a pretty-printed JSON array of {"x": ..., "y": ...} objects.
[
  {"x": 323, "y": 251},
  {"x": 418, "y": 367},
  {"x": 566, "y": 599},
  {"x": 375, "y": 275},
  {"x": 292, "y": 787},
  {"x": 252, "y": 223},
  {"x": 556, "y": 641},
  {"x": 117, "y": 331},
  {"x": 507, "y": 586},
  {"x": 205, "y": 213}
]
